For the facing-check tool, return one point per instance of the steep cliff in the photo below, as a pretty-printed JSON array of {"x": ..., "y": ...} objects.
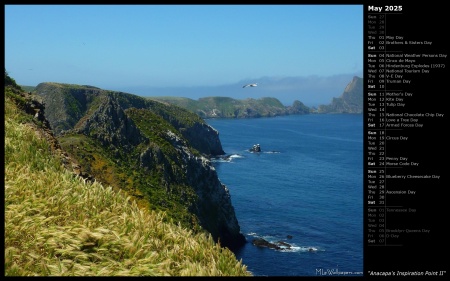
[
  {"x": 156, "y": 152},
  {"x": 351, "y": 100}
]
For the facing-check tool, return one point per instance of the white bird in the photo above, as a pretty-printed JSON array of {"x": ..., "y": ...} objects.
[{"x": 250, "y": 85}]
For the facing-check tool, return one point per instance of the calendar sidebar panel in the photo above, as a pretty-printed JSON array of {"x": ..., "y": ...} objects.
[{"x": 406, "y": 145}]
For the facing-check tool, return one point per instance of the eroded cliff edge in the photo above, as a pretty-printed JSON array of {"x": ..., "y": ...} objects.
[{"x": 156, "y": 152}]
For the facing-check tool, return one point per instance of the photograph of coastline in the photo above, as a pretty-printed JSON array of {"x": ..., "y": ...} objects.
[{"x": 184, "y": 140}]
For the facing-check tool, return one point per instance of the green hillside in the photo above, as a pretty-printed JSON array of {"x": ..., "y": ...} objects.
[
  {"x": 59, "y": 224},
  {"x": 226, "y": 107},
  {"x": 158, "y": 153}
]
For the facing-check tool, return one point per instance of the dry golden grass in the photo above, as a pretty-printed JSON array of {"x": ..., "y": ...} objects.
[{"x": 56, "y": 224}]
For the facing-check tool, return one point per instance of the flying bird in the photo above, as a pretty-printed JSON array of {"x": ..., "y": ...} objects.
[{"x": 250, "y": 85}]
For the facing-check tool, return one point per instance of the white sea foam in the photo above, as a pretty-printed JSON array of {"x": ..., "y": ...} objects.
[
  {"x": 236, "y": 156},
  {"x": 220, "y": 160},
  {"x": 300, "y": 249},
  {"x": 226, "y": 159}
]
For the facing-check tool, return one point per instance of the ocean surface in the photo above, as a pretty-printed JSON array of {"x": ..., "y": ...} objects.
[{"x": 304, "y": 188}]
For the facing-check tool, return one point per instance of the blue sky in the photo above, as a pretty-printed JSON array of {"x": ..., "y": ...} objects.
[{"x": 119, "y": 46}]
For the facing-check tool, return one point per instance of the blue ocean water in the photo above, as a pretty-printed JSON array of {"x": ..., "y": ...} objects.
[{"x": 304, "y": 188}]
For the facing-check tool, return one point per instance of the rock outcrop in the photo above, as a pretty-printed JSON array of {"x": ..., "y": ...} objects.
[
  {"x": 279, "y": 245},
  {"x": 255, "y": 148},
  {"x": 351, "y": 101}
]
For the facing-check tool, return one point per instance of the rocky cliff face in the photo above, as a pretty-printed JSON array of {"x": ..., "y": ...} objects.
[
  {"x": 213, "y": 204},
  {"x": 351, "y": 100},
  {"x": 158, "y": 152}
]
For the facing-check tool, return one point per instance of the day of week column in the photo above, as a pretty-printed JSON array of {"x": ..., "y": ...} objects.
[{"x": 375, "y": 131}]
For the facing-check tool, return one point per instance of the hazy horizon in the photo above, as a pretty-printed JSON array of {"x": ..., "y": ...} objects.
[
  {"x": 185, "y": 46},
  {"x": 312, "y": 90}
]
